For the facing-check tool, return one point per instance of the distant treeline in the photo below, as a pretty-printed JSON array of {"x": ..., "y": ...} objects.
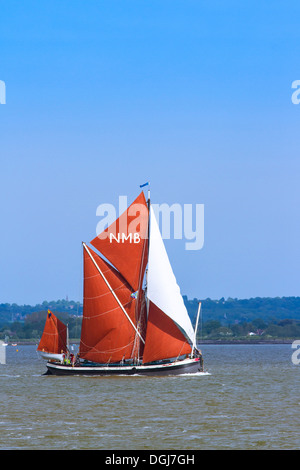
[
  {"x": 230, "y": 319},
  {"x": 31, "y": 329},
  {"x": 15, "y": 312},
  {"x": 257, "y": 330},
  {"x": 230, "y": 311},
  {"x": 226, "y": 311}
]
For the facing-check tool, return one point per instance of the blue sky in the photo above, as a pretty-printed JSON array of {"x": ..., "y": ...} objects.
[{"x": 194, "y": 96}]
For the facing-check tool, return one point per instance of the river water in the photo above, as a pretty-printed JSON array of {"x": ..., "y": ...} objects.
[{"x": 247, "y": 399}]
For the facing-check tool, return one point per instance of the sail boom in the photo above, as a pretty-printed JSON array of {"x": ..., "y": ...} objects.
[{"x": 112, "y": 291}]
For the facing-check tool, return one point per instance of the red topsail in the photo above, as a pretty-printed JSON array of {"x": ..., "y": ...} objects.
[{"x": 124, "y": 242}]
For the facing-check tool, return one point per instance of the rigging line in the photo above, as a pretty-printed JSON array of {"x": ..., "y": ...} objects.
[
  {"x": 100, "y": 314},
  {"x": 96, "y": 275},
  {"x": 105, "y": 351},
  {"x": 96, "y": 296},
  {"x": 90, "y": 277},
  {"x": 103, "y": 313},
  {"x": 105, "y": 293},
  {"x": 113, "y": 293},
  {"x": 109, "y": 351},
  {"x": 183, "y": 344},
  {"x": 123, "y": 284},
  {"x": 110, "y": 267},
  {"x": 51, "y": 334},
  {"x": 99, "y": 296}
]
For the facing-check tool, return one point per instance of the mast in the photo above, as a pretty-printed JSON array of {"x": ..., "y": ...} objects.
[
  {"x": 148, "y": 203},
  {"x": 68, "y": 345},
  {"x": 196, "y": 327},
  {"x": 112, "y": 291},
  {"x": 142, "y": 294}
]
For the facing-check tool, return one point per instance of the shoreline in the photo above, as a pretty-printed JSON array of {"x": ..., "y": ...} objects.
[{"x": 201, "y": 342}]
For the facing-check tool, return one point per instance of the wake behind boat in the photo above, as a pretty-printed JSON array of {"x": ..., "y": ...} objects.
[{"x": 134, "y": 317}]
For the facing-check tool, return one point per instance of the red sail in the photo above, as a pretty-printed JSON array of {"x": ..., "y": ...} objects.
[
  {"x": 123, "y": 243},
  {"x": 163, "y": 339},
  {"x": 106, "y": 334},
  {"x": 54, "y": 337}
]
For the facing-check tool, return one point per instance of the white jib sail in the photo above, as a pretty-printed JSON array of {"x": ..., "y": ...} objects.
[{"x": 162, "y": 288}]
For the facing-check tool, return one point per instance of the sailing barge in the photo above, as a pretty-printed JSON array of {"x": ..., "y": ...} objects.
[{"x": 134, "y": 317}]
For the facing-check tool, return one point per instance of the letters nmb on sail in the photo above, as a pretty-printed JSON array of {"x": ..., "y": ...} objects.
[{"x": 124, "y": 242}]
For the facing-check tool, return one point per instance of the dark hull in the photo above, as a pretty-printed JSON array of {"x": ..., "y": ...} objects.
[{"x": 186, "y": 366}]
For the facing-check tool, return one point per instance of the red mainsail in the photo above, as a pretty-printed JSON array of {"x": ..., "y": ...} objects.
[
  {"x": 54, "y": 337},
  {"x": 106, "y": 334}
]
